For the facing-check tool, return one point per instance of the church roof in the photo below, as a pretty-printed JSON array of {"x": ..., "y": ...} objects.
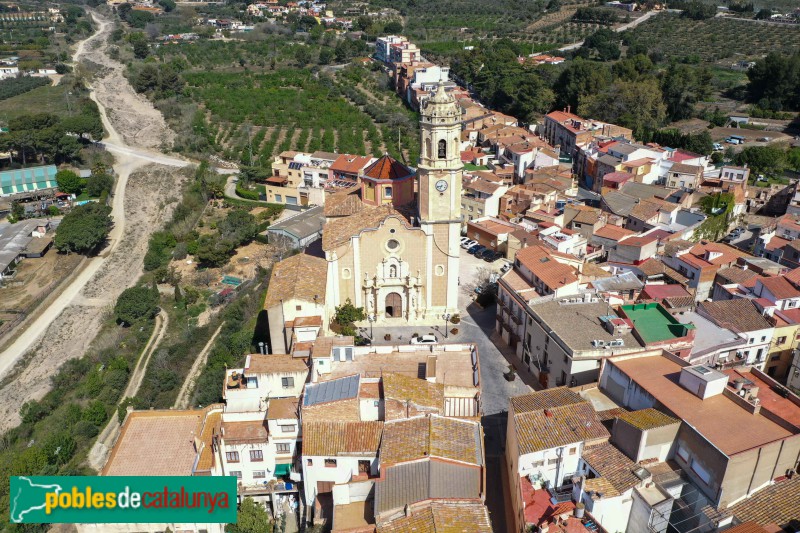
[
  {"x": 338, "y": 231},
  {"x": 300, "y": 277},
  {"x": 343, "y": 203},
  {"x": 387, "y": 168}
]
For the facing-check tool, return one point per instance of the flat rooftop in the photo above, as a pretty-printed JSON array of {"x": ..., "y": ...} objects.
[
  {"x": 452, "y": 366},
  {"x": 709, "y": 336},
  {"x": 156, "y": 443},
  {"x": 713, "y": 417},
  {"x": 578, "y": 324},
  {"x": 355, "y": 515},
  {"x": 654, "y": 323},
  {"x": 786, "y": 407}
]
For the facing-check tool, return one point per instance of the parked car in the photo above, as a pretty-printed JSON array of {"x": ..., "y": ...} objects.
[
  {"x": 474, "y": 250},
  {"x": 464, "y": 240},
  {"x": 505, "y": 268},
  {"x": 718, "y": 147},
  {"x": 485, "y": 253},
  {"x": 764, "y": 139},
  {"x": 424, "y": 339},
  {"x": 469, "y": 243},
  {"x": 492, "y": 257}
]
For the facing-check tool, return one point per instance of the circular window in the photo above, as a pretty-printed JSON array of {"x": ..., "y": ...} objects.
[
  {"x": 346, "y": 273},
  {"x": 393, "y": 244},
  {"x": 392, "y": 230},
  {"x": 440, "y": 270}
]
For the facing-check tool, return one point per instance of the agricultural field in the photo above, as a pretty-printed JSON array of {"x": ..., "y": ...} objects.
[
  {"x": 53, "y": 99},
  {"x": 270, "y": 112},
  {"x": 714, "y": 39}
]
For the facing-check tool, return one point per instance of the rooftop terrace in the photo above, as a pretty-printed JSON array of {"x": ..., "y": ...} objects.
[{"x": 654, "y": 323}]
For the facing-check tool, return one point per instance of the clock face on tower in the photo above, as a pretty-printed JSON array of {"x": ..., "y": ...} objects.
[{"x": 441, "y": 185}]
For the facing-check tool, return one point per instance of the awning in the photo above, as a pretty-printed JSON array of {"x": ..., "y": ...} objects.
[
  {"x": 280, "y": 180},
  {"x": 282, "y": 470}
]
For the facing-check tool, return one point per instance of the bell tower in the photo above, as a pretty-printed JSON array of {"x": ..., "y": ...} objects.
[{"x": 439, "y": 200}]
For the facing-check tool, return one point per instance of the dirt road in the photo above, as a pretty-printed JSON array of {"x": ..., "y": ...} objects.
[
  {"x": 182, "y": 401},
  {"x": 629, "y": 25},
  {"x": 105, "y": 441},
  {"x": 142, "y": 202}
]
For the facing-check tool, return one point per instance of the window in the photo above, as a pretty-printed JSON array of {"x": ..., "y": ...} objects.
[
  {"x": 781, "y": 340},
  {"x": 387, "y": 192},
  {"x": 309, "y": 462},
  {"x": 392, "y": 244},
  {"x": 566, "y": 359},
  {"x": 256, "y": 455},
  {"x": 288, "y": 429},
  {"x": 701, "y": 472},
  {"x": 298, "y": 307},
  {"x": 442, "y": 149},
  {"x": 232, "y": 457},
  {"x": 537, "y": 464},
  {"x": 287, "y": 383},
  {"x": 283, "y": 447},
  {"x": 330, "y": 463},
  {"x": 573, "y": 451},
  {"x": 237, "y": 474},
  {"x": 278, "y": 198},
  {"x": 751, "y": 341},
  {"x": 776, "y": 357},
  {"x": 763, "y": 338},
  {"x": 291, "y": 200},
  {"x": 552, "y": 461},
  {"x": 683, "y": 453},
  {"x": 259, "y": 474},
  {"x": 393, "y": 271}
]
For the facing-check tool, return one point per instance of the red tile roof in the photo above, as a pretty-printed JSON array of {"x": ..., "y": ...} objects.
[
  {"x": 387, "y": 168},
  {"x": 615, "y": 233},
  {"x": 541, "y": 262},
  {"x": 779, "y": 287},
  {"x": 659, "y": 292},
  {"x": 351, "y": 164}
]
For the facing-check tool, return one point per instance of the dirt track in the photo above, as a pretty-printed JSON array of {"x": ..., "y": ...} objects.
[{"x": 143, "y": 201}]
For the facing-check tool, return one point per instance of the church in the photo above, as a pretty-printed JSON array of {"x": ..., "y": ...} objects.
[{"x": 392, "y": 243}]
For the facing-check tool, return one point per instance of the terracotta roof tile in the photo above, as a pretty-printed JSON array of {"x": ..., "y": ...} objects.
[
  {"x": 557, "y": 426},
  {"x": 431, "y": 436},
  {"x": 776, "y": 504},
  {"x": 646, "y": 419},
  {"x": 545, "y": 399},
  {"x": 351, "y": 164},
  {"x": 780, "y": 287},
  {"x": 419, "y": 392},
  {"x": 552, "y": 273},
  {"x": 387, "y": 168},
  {"x": 301, "y": 277},
  {"x": 339, "y": 231},
  {"x": 442, "y": 517},
  {"x": 614, "y": 233},
  {"x": 332, "y": 439},
  {"x": 735, "y": 275},
  {"x": 343, "y": 203},
  {"x": 612, "y": 465},
  {"x": 738, "y": 314}
]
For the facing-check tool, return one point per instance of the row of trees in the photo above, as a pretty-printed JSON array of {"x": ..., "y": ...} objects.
[{"x": 48, "y": 138}]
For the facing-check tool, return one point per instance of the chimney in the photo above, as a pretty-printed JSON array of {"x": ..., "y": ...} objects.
[{"x": 548, "y": 413}]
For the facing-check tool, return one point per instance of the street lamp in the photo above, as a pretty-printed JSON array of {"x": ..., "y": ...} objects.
[
  {"x": 371, "y": 317},
  {"x": 446, "y": 318}
]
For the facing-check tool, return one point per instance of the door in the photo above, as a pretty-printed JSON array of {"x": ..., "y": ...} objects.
[{"x": 394, "y": 305}]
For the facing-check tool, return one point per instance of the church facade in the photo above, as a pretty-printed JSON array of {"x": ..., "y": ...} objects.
[{"x": 392, "y": 244}]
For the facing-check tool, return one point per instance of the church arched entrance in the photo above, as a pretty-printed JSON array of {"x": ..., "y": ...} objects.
[{"x": 394, "y": 305}]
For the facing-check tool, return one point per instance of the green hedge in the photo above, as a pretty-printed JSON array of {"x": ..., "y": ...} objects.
[{"x": 247, "y": 194}]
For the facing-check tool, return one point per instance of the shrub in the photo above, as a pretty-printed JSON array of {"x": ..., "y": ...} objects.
[
  {"x": 246, "y": 194},
  {"x": 69, "y": 182},
  {"x": 84, "y": 428},
  {"x": 31, "y": 411},
  {"x": 84, "y": 228},
  {"x": 99, "y": 183},
  {"x": 136, "y": 303}
]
